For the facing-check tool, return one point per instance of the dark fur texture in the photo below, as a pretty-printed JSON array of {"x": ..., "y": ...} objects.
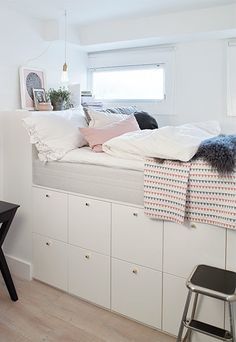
[{"x": 219, "y": 152}]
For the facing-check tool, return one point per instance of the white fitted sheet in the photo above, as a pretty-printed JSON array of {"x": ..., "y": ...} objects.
[{"x": 95, "y": 174}]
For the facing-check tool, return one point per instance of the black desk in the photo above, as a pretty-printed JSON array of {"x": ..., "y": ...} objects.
[{"x": 7, "y": 213}]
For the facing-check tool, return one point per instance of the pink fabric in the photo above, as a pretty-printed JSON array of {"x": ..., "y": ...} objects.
[{"x": 97, "y": 136}]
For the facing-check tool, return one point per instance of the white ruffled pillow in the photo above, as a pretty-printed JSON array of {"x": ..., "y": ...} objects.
[
  {"x": 55, "y": 135},
  {"x": 101, "y": 119}
]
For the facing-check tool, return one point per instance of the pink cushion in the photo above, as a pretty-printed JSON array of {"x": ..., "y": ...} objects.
[{"x": 97, "y": 136}]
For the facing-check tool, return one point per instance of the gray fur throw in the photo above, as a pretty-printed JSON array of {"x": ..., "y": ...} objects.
[{"x": 219, "y": 152}]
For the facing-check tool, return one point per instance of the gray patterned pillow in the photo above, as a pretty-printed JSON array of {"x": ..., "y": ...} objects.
[{"x": 121, "y": 110}]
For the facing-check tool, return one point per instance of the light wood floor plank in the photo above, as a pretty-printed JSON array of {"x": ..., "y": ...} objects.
[{"x": 45, "y": 314}]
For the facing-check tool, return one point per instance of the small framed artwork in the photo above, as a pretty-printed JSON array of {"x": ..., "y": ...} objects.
[
  {"x": 39, "y": 95},
  {"x": 30, "y": 79}
]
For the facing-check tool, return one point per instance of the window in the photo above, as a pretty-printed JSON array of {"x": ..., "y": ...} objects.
[
  {"x": 129, "y": 83},
  {"x": 143, "y": 76}
]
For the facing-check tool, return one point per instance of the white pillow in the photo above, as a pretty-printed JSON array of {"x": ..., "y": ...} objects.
[
  {"x": 55, "y": 135},
  {"x": 101, "y": 119}
]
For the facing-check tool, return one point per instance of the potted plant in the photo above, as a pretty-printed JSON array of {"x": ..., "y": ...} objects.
[{"x": 60, "y": 99}]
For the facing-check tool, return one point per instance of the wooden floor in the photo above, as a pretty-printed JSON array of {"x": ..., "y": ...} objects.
[{"x": 44, "y": 314}]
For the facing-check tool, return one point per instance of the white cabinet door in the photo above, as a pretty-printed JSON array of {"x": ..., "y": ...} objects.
[
  {"x": 136, "y": 238},
  {"x": 50, "y": 261},
  {"x": 137, "y": 292},
  {"x": 231, "y": 250},
  {"x": 230, "y": 265},
  {"x": 89, "y": 276},
  {"x": 186, "y": 246},
  {"x": 209, "y": 310},
  {"x": 50, "y": 213},
  {"x": 89, "y": 224}
]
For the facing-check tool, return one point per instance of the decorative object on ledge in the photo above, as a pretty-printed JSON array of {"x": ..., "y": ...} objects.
[
  {"x": 41, "y": 100},
  {"x": 30, "y": 78},
  {"x": 60, "y": 99},
  {"x": 64, "y": 76},
  {"x": 44, "y": 106}
]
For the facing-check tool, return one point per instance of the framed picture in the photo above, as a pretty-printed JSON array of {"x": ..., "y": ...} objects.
[
  {"x": 30, "y": 79},
  {"x": 39, "y": 95}
]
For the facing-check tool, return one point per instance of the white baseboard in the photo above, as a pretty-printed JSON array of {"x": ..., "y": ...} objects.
[{"x": 19, "y": 268}]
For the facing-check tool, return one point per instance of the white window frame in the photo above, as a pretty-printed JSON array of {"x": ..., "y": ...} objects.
[
  {"x": 128, "y": 67},
  {"x": 152, "y": 55}
]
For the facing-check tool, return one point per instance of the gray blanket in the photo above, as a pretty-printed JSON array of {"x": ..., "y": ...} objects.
[{"x": 219, "y": 152}]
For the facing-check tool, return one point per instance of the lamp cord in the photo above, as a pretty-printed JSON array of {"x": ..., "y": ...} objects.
[
  {"x": 65, "y": 36},
  {"x": 40, "y": 55}
]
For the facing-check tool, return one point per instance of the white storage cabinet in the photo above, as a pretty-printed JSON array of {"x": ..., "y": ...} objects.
[{"x": 112, "y": 255}]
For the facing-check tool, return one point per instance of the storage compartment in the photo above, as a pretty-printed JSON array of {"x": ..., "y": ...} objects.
[
  {"x": 89, "y": 276},
  {"x": 89, "y": 224},
  {"x": 186, "y": 246},
  {"x": 50, "y": 213},
  {"x": 137, "y": 292},
  {"x": 231, "y": 250},
  {"x": 135, "y": 237},
  {"x": 209, "y": 310},
  {"x": 50, "y": 259}
]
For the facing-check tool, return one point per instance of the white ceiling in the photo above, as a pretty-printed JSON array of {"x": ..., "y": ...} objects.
[{"x": 83, "y": 12}]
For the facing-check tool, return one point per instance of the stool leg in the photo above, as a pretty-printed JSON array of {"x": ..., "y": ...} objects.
[
  {"x": 189, "y": 332},
  {"x": 181, "y": 328},
  {"x": 231, "y": 317}
]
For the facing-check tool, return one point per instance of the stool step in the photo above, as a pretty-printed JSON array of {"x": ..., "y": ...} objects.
[{"x": 208, "y": 329}]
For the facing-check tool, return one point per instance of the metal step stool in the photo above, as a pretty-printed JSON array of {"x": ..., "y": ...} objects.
[{"x": 213, "y": 282}]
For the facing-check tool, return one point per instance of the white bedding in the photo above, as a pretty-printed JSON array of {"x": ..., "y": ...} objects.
[
  {"x": 175, "y": 143},
  {"x": 85, "y": 155}
]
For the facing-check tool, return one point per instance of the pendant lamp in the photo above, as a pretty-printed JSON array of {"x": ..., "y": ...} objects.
[{"x": 64, "y": 76}]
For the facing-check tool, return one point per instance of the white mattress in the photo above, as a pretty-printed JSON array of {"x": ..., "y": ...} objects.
[{"x": 95, "y": 174}]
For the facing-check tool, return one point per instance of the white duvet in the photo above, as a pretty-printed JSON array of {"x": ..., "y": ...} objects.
[
  {"x": 170, "y": 142},
  {"x": 85, "y": 155}
]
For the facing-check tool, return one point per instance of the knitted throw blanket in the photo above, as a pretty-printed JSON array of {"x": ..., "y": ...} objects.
[{"x": 177, "y": 191}]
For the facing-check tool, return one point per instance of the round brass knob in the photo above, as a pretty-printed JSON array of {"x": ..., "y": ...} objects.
[
  {"x": 193, "y": 225},
  {"x": 135, "y": 271}
]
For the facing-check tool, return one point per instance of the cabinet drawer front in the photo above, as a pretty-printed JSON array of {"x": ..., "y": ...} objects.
[
  {"x": 186, "y": 246},
  {"x": 136, "y": 292},
  {"x": 89, "y": 276},
  {"x": 136, "y": 238},
  {"x": 231, "y": 250},
  {"x": 209, "y": 309},
  {"x": 50, "y": 213},
  {"x": 89, "y": 224},
  {"x": 50, "y": 261}
]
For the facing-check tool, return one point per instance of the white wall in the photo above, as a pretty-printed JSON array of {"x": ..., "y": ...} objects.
[
  {"x": 21, "y": 42},
  {"x": 201, "y": 83},
  {"x": 1, "y": 159},
  {"x": 20, "y": 39}
]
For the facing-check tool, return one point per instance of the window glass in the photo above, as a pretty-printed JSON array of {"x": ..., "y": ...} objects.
[{"x": 129, "y": 83}]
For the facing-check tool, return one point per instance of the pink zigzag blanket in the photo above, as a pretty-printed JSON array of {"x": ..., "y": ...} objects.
[{"x": 178, "y": 191}]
